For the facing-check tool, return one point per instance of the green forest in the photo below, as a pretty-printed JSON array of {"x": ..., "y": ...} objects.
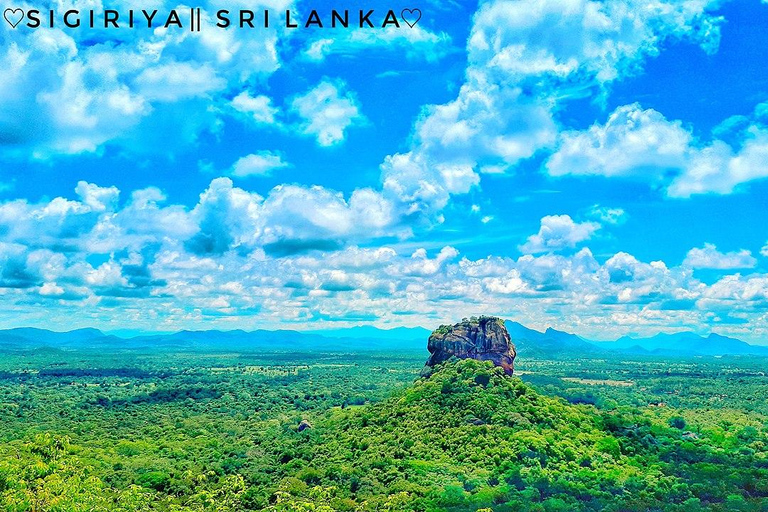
[{"x": 165, "y": 430}]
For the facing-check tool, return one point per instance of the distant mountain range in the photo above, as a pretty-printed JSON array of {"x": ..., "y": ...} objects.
[
  {"x": 357, "y": 339},
  {"x": 550, "y": 343},
  {"x": 683, "y": 344}
]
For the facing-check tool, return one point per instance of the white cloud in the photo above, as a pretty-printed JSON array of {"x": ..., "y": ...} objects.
[
  {"x": 142, "y": 221},
  {"x": 516, "y": 80},
  {"x": 718, "y": 169},
  {"x": 290, "y": 220},
  {"x": 319, "y": 49},
  {"x": 258, "y": 107},
  {"x": 736, "y": 292},
  {"x": 95, "y": 223},
  {"x": 633, "y": 142},
  {"x": 226, "y": 218},
  {"x": 297, "y": 219},
  {"x": 56, "y": 98},
  {"x": 290, "y": 256},
  {"x": 421, "y": 265},
  {"x": 51, "y": 289},
  {"x": 559, "y": 232},
  {"x": 352, "y": 258},
  {"x": 622, "y": 268},
  {"x": 511, "y": 283},
  {"x": 261, "y": 163},
  {"x": 73, "y": 92},
  {"x": 486, "y": 120},
  {"x": 327, "y": 110},
  {"x": 709, "y": 257},
  {"x": 418, "y": 187},
  {"x": 97, "y": 198},
  {"x": 644, "y": 145}
]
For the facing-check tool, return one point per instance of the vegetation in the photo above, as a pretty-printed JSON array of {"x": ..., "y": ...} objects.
[
  {"x": 469, "y": 322},
  {"x": 192, "y": 431}
]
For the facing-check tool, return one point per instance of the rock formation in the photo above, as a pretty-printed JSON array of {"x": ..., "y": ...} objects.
[{"x": 485, "y": 339}]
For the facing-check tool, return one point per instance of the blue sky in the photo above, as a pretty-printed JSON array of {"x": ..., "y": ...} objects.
[{"x": 598, "y": 167}]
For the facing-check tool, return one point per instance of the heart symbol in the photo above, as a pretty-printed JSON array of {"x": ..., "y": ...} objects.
[
  {"x": 16, "y": 15},
  {"x": 413, "y": 14}
]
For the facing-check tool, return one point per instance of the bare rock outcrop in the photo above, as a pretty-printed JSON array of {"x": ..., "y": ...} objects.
[{"x": 485, "y": 339}]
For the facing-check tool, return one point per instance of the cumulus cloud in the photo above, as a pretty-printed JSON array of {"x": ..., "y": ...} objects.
[
  {"x": 76, "y": 91},
  {"x": 143, "y": 221},
  {"x": 258, "y": 164},
  {"x": 632, "y": 143},
  {"x": 516, "y": 80},
  {"x": 510, "y": 283},
  {"x": 238, "y": 255},
  {"x": 16, "y": 270},
  {"x": 606, "y": 39},
  {"x": 419, "y": 188},
  {"x": 97, "y": 198},
  {"x": 421, "y": 265},
  {"x": 297, "y": 253},
  {"x": 59, "y": 222},
  {"x": 709, "y": 257},
  {"x": 291, "y": 219},
  {"x": 327, "y": 111},
  {"x": 297, "y": 219},
  {"x": 558, "y": 232},
  {"x": 733, "y": 288},
  {"x": 636, "y": 143},
  {"x": 226, "y": 218},
  {"x": 642, "y": 144},
  {"x": 719, "y": 169},
  {"x": 56, "y": 98},
  {"x": 258, "y": 107}
]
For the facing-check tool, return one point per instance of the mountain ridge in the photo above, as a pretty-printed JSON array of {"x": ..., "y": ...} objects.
[
  {"x": 686, "y": 342},
  {"x": 550, "y": 343}
]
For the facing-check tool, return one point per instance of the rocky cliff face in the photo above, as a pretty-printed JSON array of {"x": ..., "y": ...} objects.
[{"x": 485, "y": 339}]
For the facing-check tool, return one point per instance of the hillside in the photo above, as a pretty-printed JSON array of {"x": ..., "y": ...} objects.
[
  {"x": 230, "y": 432},
  {"x": 469, "y": 438}
]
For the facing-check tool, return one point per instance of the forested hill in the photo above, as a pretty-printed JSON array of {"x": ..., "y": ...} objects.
[{"x": 471, "y": 438}]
